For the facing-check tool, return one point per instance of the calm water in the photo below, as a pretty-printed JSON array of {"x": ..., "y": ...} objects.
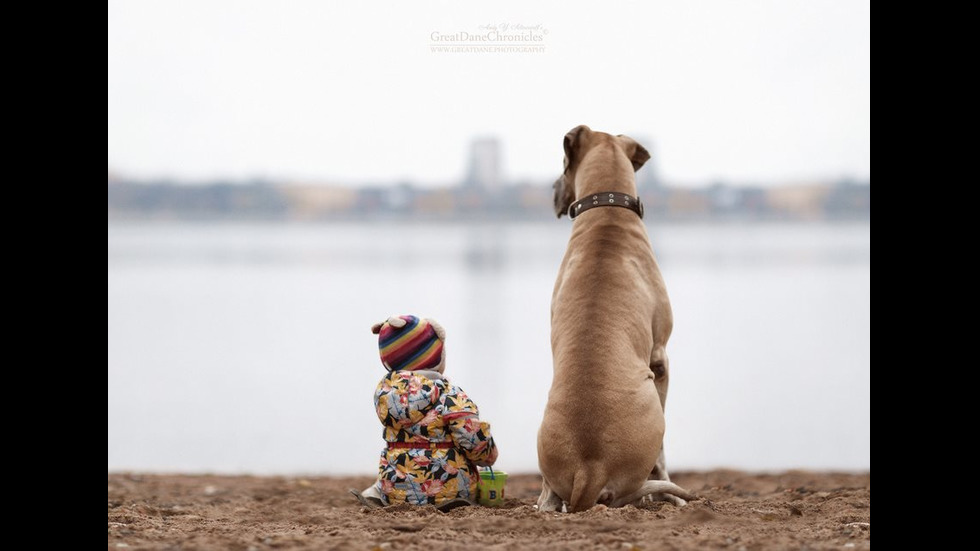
[{"x": 247, "y": 347}]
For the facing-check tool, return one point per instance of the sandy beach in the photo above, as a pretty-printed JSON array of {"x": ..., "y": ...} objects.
[{"x": 736, "y": 510}]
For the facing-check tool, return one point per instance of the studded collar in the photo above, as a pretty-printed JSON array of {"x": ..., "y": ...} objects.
[{"x": 606, "y": 199}]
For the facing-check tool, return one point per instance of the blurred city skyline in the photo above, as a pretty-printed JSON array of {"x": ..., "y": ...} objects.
[
  {"x": 481, "y": 192},
  {"x": 767, "y": 93}
]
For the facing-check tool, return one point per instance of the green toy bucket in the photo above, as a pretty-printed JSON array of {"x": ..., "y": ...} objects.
[{"x": 492, "y": 487}]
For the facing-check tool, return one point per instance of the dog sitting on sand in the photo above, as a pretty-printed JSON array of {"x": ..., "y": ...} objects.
[{"x": 601, "y": 439}]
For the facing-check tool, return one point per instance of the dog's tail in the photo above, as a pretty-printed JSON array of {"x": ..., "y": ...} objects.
[{"x": 586, "y": 487}]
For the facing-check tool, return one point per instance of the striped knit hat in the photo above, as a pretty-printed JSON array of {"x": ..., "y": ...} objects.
[{"x": 412, "y": 347}]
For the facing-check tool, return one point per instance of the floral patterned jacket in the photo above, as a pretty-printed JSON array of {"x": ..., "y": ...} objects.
[{"x": 422, "y": 409}]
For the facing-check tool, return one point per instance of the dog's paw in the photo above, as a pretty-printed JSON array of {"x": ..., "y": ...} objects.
[{"x": 669, "y": 498}]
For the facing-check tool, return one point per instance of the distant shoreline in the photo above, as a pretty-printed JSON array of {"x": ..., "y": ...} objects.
[
  {"x": 119, "y": 218},
  {"x": 842, "y": 198}
]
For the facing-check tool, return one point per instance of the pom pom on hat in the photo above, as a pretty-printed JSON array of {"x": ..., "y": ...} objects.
[{"x": 409, "y": 343}]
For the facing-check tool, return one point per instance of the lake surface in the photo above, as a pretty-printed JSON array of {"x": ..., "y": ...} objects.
[{"x": 246, "y": 347}]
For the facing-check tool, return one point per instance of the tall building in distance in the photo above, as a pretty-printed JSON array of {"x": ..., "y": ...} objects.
[{"x": 484, "y": 168}]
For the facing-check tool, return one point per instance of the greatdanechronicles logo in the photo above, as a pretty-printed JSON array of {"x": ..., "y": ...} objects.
[{"x": 491, "y": 38}]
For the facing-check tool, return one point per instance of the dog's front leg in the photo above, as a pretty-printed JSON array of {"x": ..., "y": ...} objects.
[
  {"x": 548, "y": 501},
  {"x": 660, "y": 369}
]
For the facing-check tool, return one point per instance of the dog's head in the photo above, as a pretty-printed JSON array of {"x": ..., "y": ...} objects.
[{"x": 578, "y": 144}]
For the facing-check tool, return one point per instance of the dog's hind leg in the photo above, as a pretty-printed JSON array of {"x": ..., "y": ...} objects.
[
  {"x": 548, "y": 501},
  {"x": 660, "y": 369}
]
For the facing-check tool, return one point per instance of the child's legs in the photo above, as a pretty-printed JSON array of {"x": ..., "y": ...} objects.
[{"x": 374, "y": 492}]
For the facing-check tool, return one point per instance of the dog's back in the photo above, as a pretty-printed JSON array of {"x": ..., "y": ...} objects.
[{"x": 604, "y": 409}]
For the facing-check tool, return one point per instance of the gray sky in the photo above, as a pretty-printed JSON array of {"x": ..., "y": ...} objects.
[{"x": 349, "y": 92}]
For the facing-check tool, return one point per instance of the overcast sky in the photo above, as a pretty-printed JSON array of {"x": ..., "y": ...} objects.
[{"x": 350, "y": 92}]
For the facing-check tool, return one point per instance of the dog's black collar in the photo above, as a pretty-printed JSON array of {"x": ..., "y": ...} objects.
[{"x": 606, "y": 199}]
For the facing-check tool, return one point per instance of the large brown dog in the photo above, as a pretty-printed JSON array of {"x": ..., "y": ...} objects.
[{"x": 601, "y": 440}]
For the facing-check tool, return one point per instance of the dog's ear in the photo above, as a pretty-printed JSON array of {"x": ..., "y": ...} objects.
[
  {"x": 561, "y": 197},
  {"x": 564, "y": 190},
  {"x": 637, "y": 154},
  {"x": 571, "y": 143}
]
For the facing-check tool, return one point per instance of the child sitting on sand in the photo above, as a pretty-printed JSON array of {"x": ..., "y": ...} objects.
[{"x": 435, "y": 439}]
